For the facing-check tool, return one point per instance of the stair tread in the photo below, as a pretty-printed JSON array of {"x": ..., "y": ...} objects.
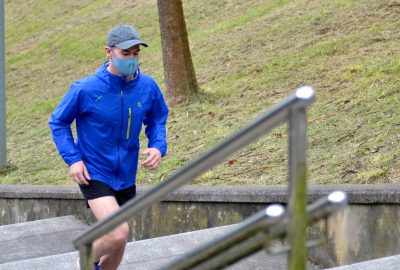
[
  {"x": 156, "y": 252},
  {"x": 386, "y": 263},
  {"x": 44, "y": 226},
  {"x": 40, "y": 238}
]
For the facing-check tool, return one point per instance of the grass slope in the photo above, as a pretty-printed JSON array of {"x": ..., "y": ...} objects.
[{"x": 248, "y": 55}]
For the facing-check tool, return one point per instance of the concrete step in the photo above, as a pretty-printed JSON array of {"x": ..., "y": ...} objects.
[
  {"x": 154, "y": 253},
  {"x": 386, "y": 263},
  {"x": 38, "y": 238}
]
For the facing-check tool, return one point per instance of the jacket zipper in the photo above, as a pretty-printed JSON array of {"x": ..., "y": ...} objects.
[
  {"x": 128, "y": 131},
  {"x": 119, "y": 139}
]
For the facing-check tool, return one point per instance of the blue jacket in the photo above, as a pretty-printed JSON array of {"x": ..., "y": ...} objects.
[{"x": 109, "y": 114}]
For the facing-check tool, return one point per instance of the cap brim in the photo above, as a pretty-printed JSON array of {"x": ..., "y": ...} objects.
[{"x": 130, "y": 43}]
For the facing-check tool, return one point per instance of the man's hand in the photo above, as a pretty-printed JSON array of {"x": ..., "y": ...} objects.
[
  {"x": 79, "y": 173},
  {"x": 153, "y": 160}
]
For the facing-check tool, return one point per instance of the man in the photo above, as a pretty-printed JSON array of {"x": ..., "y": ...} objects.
[{"x": 109, "y": 108}]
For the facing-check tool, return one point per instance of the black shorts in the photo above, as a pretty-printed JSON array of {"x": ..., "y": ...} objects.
[{"x": 97, "y": 189}]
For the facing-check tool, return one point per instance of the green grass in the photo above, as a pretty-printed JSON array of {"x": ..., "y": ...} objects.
[{"x": 248, "y": 55}]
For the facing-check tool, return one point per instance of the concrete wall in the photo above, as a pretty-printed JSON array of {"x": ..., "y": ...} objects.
[
  {"x": 367, "y": 229},
  {"x": 359, "y": 233}
]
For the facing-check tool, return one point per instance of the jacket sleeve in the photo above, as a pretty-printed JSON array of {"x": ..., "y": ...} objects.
[
  {"x": 155, "y": 122},
  {"x": 60, "y": 126}
]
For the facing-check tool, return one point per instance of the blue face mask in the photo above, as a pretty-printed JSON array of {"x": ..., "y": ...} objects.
[{"x": 127, "y": 66}]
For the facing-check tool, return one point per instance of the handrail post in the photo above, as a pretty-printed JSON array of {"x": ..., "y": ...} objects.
[
  {"x": 86, "y": 257},
  {"x": 3, "y": 145},
  {"x": 297, "y": 183}
]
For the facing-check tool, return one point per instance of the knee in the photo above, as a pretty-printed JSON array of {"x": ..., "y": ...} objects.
[{"x": 119, "y": 236}]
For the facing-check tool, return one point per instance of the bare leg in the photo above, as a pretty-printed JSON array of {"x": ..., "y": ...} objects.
[
  {"x": 110, "y": 248},
  {"x": 108, "y": 258}
]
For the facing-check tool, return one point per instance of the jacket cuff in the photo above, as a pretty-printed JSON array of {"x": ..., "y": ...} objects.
[
  {"x": 162, "y": 150},
  {"x": 71, "y": 161}
]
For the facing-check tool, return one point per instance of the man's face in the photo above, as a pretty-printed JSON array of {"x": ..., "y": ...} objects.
[{"x": 133, "y": 51}]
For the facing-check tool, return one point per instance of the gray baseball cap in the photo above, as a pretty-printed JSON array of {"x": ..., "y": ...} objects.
[{"x": 123, "y": 37}]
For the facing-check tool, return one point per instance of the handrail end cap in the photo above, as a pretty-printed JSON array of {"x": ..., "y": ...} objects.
[{"x": 305, "y": 92}]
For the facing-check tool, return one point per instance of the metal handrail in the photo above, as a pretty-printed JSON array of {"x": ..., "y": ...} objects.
[
  {"x": 293, "y": 108},
  {"x": 262, "y": 220},
  {"x": 252, "y": 235}
]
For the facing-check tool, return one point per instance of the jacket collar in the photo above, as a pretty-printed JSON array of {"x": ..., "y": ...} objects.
[{"x": 114, "y": 81}]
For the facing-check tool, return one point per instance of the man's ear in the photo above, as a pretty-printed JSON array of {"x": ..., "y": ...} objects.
[{"x": 107, "y": 50}]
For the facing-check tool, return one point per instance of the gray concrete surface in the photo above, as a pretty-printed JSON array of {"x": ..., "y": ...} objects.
[
  {"x": 359, "y": 233},
  {"x": 386, "y": 263},
  {"x": 358, "y": 194},
  {"x": 153, "y": 253},
  {"x": 38, "y": 238}
]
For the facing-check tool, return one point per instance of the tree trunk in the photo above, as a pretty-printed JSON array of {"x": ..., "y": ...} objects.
[{"x": 180, "y": 78}]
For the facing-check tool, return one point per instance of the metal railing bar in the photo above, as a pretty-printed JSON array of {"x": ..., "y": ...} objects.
[
  {"x": 263, "y": 219},
  {"x": 319, "y": 210},
  {"x": 297, "y": 188},
  {"x": 323, "y": 207},
  {"x": 234, "y": 254},
  {"x": 260, "y": 126}
]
